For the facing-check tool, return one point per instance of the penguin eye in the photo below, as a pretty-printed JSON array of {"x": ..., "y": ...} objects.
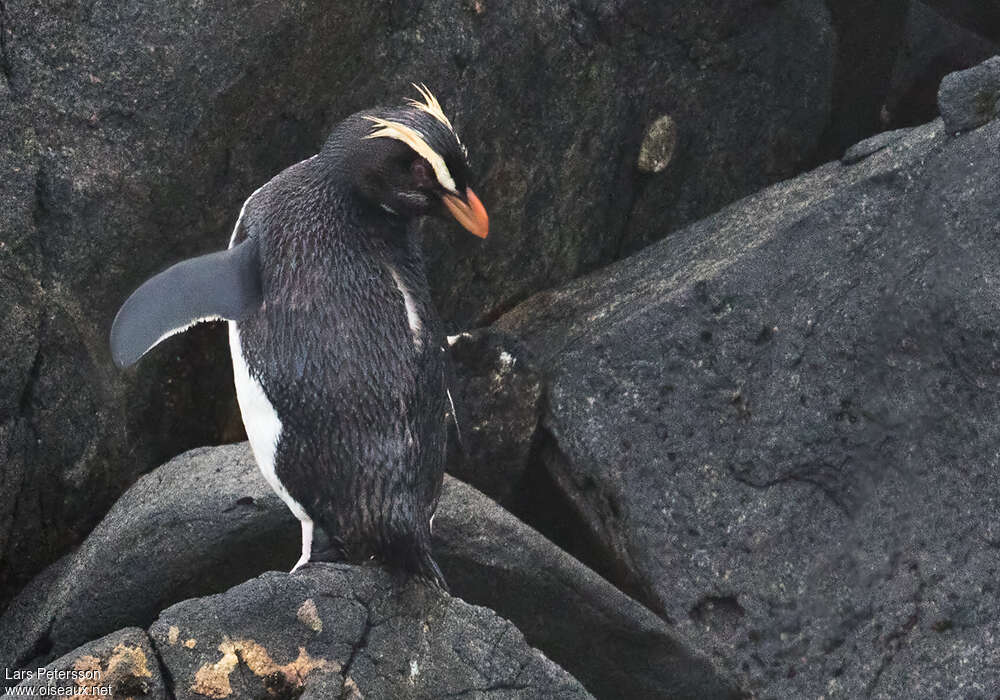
[{"x": 421, "y": 171}]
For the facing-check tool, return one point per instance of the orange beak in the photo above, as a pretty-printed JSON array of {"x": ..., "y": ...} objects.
[{"x": 471, "y": 213}]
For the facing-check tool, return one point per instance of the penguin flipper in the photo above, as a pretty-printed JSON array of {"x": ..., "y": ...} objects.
[{"x": 219, "y": 286}]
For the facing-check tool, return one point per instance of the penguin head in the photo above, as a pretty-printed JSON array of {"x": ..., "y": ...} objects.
[{"x": 409, "y": 162}]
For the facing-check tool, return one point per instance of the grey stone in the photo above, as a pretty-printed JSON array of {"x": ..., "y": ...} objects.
[
  {"x": 337, "y": 631},
  {"x": 873, "y": 144},
  {"x": 121, "y": 665},
  {"x": 613, "y": 645},
  {"x": 781, "y": 422},
  {"x": 970, "y": 98},
  {"x": 132, "y": 134}
]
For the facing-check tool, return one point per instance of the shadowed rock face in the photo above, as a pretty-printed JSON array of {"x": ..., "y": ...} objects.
[
  {"x": 132, "y": 133},
  {"x": 781, "y": 423}
]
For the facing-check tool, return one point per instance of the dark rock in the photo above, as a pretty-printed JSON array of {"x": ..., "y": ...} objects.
[
  {"x": 975, "y": 15},
  {"x": 873, "y": 144},
  {"x": 121, "y": 665},
  {"x": 337, "y": 631},
  {"x": 199, "y": 524},
  {"x": 782, "y": 423},
  {"x": 497, "y": 396},
  {"x": 868, "y": 39},
  {"x": 207, "y": 520},
  {"x": 133, "y": 133},
  {"x": 704, "y": 67},
  {"x": 970, "y": 98},
  {"x": 933, "y": 46},
  {"x": 610, "y": 643}
]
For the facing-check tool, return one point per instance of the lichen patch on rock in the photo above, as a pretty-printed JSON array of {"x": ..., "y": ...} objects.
[
  {"x": 309, "y": 616},
  {"x": 212, "y": 680}
]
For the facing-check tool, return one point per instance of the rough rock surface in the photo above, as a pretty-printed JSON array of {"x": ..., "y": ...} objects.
[
  {"x": 613, "y": 645},
  {"x": 208, "y": 520},
  {"x": 133, "y": 132},
  {"x": 872, "y": 144},
  {"x": 121, "y": 665},
  {"x": 203, "y": 522},
  {"x": 336, "y": 631},
  {"x": 970, "y": 98},
  {"x": 781, "y": 423}
]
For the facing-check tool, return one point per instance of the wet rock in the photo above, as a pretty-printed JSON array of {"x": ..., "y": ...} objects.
[
  {"x": 369, "y": 637},
  {"x": 970, "y": 98},
  {"x": 121, "y": 665},
  {"x": 780, "y": 423}
]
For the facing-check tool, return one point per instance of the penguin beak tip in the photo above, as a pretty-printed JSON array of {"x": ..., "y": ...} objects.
[{"x": 471, "y": 213}]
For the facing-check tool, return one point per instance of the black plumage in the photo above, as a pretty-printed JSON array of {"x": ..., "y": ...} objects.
[{"x": 344, "y": 340}]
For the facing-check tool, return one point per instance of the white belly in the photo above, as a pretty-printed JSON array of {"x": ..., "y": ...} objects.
[{"x": 260, "y": 420}]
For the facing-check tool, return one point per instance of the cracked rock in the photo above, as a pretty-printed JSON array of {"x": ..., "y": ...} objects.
[
  {"x": 379, "y": 639},
  {"x": 781, "y": 423}
]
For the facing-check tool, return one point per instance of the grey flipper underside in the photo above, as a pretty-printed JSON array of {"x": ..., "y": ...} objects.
[{"x": 218, "y": 286}]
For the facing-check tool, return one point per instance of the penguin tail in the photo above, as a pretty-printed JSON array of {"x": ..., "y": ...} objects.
[
  {"x": 414, "y": 559},
  {"x": 430, "y": 573}
]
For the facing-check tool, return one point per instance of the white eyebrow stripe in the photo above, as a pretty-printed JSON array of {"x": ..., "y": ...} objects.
[{"x": 409, "y": 136}]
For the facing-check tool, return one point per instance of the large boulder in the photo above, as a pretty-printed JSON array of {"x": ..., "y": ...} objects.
[
  {"x": 132, "y": 133},
  {"x": 337, "y": 631},
  {"x": 781, "y": 425},
  {"x": 207, "y": 520}
]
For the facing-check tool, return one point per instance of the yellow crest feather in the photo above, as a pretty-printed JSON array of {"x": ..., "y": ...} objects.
[
  {"x": 413, "y": 139},
  {"x": 430, "y": 105}
]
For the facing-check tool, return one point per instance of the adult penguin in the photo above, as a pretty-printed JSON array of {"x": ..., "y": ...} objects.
[{"x": 336, "y": 345}]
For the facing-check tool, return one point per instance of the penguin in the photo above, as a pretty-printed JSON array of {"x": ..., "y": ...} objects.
[{"x": 337, "y": 349}]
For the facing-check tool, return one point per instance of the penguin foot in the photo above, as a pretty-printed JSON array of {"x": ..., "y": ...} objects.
[{"x": 307, "y": 538}]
